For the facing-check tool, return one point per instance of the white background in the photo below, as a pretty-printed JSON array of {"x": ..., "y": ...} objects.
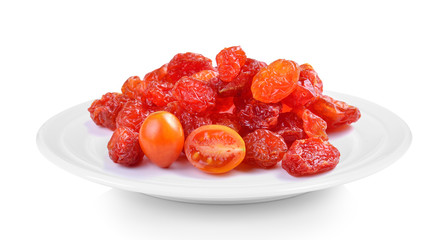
[{"x": 56, "y": 54}]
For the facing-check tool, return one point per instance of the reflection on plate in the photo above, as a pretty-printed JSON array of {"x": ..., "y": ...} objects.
[{"x": 73, "y": 142}]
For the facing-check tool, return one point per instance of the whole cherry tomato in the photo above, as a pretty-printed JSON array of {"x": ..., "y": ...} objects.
[{"x": 161, "y": 138}]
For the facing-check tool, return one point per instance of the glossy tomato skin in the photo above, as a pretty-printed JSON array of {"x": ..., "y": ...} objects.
[
  {"x": 214, "y": 148},
  {"x": 161, "y": 138}
]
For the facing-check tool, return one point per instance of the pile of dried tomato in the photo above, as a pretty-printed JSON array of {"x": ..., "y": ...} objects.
[{"x": 279, "y": 109}]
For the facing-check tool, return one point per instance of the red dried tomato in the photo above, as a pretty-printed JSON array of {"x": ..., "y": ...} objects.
[
  {"x": 264, "y": 149},
  {"x": 130, "y": 85},
  {"x": 252, "y": 114},
  {"x": 157, "y": 74},
  {"x": 194, "y": 95},
  {"x": 290, "y": 127},
  {"x": 314, "y": 126},
  {"x": 229, "y": 62},
  {"x": 123, "y": 147},
  {"x": 133, "y": 114},
  {"x": 226, "y": 119},
  {"x": 335, "y": 113},
  {"x": 243, "y": 79},
  {"x": 310, "y": 156},
  {"x": 104, "y": 111},
  {"x": 186, "y": 64},
  {"x": 158, "y": 92}
]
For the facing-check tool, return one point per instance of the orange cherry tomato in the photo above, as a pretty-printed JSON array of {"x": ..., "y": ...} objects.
[
  {"x": 214, "y": 148},
  {"x": 161, "y": 138}
]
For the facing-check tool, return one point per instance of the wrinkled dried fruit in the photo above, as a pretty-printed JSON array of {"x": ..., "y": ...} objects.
[
  {"x": 244, "y": 98},
  {"x": 310, "y": 156},
  {"x": 226, "y": 119},
  {"x": 290, "y": 127},
  {"x": 132, "y": 115},
  {"x": 307, "y": 72},
  {"x": 104, "y": 111},
  {"x": 243, "y": 79},
  {"x": 303, "y": 94},
  {"x": 186, "y": 64},
  {"x": 209, "y": 76},
  {"x": 223, "y": 104},
  {"x": 309, "y": 87},
  {"x": 174, "y": 108},
  {"x": 335, "y": 113},
  {"x": 276, "y": 81},
  {"x": 229, "y": 62},
  {"x": 286, "y": 108},
  {"x": 157, "y": 74},
  {"x": 159, "y": 92},
  {"x": 123, "y": 147},
  {"x": 129, "y": 88},
  {"x": 254, "y": 114},
  {"x": 314, "y": 126},
  {"x": 264, "y": 149},
  {"x": 140, "y": 93},
  {"x": 194, "y": 95},
  {"x": 192, "y": 121}
]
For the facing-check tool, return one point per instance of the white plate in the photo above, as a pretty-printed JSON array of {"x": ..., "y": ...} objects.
[{"x": 72, "y": 141}]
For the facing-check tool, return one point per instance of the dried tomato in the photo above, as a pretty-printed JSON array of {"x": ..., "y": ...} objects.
[
  {"x": 229, "y": 62},
  {"x": 158, "y": 92},
  {"x": 189, "y": 121},
  {"x": 243, "y": 79},
  {"x": 226, "y": 119},
  {"x": 223, "y": 104},
  {"x": 309, "y": 87},
  {"x": 186, "y": 64},
  {"x": 253, "y": 114},
  {"x": 192, "y": 121},
  {"x": 104, "y": 111},
  {"x": 174, "y": 108},
  {"x": 290, "y": 127},
  {"x": 310, "y": 156},
  {"x": 276, "y": 81},
  {"x": 314, "y": 126},
  {"x": 303, "y": 94},
  {"x": 123, "y": 147},
  {"x": 133, "y": 114},
  {"x": 140, "y": 93},
  {"x": 157, "y": 74},
  {"x": 208, "y": 76},
  {"x": 194, "y": 95},
  {"x": 129, "y": 88},
  {"x": 307, "y": 72},
  {"x": 336, "y": 113},
  {"x": 244, "y": 98},
  {"x": 264, "y": 149}
]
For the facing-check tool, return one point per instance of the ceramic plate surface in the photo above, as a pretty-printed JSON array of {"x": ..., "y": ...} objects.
[{"x": 73, "y": 142}]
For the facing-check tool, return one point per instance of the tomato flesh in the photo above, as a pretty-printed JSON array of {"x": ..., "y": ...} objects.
[{"x": 214, "y": 148}]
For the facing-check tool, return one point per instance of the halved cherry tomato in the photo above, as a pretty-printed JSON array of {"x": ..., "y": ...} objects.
[
  {"x": 161, "y": 138},
  {"x": 214, "y": 148}
]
